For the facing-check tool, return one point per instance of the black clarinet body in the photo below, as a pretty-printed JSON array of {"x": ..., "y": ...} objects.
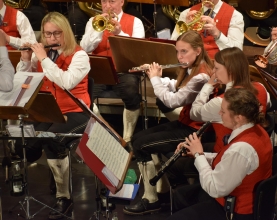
[{"x": 175, "y": 156}]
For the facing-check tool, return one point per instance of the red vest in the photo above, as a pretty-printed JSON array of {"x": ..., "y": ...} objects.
[
  {"x": 244, "y": 193},
  {"x": 127, "y": 23},
  {"x": 223, "y": 18},
  {"x": 10, "y": 20},
  {"x": 80, "y": 91},
  {"x": 184, "y": 116},
  {"x": 221, "y": 131}
]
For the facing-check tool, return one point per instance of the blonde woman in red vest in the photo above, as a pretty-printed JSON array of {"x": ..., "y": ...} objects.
[
  {"x": 97, "y": 43},
  {"x": 235, "y": 170},
  {"x": 231, "y": 68},
  {"x": 165, "y": 137},
  {"x": 16, "y": 27},
  {"x": 68, "y": 68},
  {"x": 223, "y": 29}
]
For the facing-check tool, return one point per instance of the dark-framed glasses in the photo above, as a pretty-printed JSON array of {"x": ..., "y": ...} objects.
[{"x": 56, "y": 34}]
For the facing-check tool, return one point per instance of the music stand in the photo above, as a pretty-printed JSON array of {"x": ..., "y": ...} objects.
[
  {"x": 135, "y": 52},
  {"x": 89, "y": 155},
  {"x": 102, "y": 70},
  {"x": 36, "y": 109}
]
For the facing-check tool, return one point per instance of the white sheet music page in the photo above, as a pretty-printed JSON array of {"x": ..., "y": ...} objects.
[
  {"x": 8, "y": 98},
  {"x": 108, "y": 150}
]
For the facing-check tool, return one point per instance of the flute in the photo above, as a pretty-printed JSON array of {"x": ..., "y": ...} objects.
[
  {"x": 47, "y": 46},
  {"x": 146, "y": 67},
  {"x": 176, "y": 156}
]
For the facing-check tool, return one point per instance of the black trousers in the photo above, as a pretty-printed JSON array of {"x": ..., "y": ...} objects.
[
  {"x": 163, "y": 139},
  {"x": 54, "y": 148},
  {"x": 194, "y": 203},
  {"x": 127, "y": 89}
]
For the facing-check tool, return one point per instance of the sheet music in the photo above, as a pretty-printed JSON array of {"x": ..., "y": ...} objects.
[
  {"x": 8, "y": 98},
  {"x": 108, "y": 150}
]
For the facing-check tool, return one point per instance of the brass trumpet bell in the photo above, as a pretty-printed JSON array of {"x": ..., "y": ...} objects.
[
  {"x": 101, "y": 23},
  {"x": 262, "y": 60},
  {"x": 196, "y": 24}
]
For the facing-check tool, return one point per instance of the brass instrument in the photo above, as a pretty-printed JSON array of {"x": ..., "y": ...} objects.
[
  {"x": 91, "y": 9},
  {"x": 101, "y": 23},
  {"x": 172, "y": 12},
  {"x": 146, "y": 67},
  {"x": 196, "y": 24},
  {"x": 19, "y": 4},
  {"x": 262, "y": 60}
]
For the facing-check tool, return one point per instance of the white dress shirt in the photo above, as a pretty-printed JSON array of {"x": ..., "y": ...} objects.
[
  {"x": 92, "y": 38},
  {"x": 272, "y": 58},
  {"x": 235, "y": 34},
  {"x": 164, "y": 89},
  {"x": 6, "y": 70},
  {"x": 239, "y": 160},
  {"x": 24, "y": 28},
  {"x": 77, "y": 70},
  {"x": 204, "y": 109}
]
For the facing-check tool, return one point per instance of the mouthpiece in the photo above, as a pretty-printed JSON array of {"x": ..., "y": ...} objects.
[{"x": 47, "y": 46}]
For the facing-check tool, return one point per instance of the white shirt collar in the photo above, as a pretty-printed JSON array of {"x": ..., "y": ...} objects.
[
  {"x": 216, "y": 7},
  {"x": 239, "y": 130}
]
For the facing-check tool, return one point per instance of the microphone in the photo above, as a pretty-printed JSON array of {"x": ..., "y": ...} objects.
[{"x": 47, "y": 46}]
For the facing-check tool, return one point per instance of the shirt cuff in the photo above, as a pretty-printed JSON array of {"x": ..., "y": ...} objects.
[
  {"x": 156, "y": 80},
  {"x": 3, "y": 52}
]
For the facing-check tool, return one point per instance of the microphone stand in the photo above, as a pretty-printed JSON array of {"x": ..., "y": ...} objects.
[{"x": 155, "y": 18}]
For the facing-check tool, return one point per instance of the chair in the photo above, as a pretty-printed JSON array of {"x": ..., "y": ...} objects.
[
  {"x": 256, "y": 75},
  {"x": 264, "y": 203}
]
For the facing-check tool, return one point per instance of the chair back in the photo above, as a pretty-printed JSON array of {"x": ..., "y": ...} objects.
[
  {"x": 257, "y": 76},
  {"x": 90, "y": 88},
  {"x": 264, "y": 202}
]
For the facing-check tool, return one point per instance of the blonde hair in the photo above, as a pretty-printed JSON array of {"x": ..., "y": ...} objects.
[
  {"x": 62, "y": 22},
  {"x": 194, "y": 39}
]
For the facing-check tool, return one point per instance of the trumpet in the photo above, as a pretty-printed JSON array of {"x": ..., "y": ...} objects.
[
  {"x": 101, "y": 23},
  {"x": 47, "y": 46},
  {"x": 146, "y": 67},
  {"x": 262, "y": 60},
  {"x": 196, "y": 24},
  {"x": 176, "y": 156}
]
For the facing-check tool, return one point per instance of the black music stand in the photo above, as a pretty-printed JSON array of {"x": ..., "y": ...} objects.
[
  {"x": 135, "y": 52},
  {"x": 36, "y": 109}
]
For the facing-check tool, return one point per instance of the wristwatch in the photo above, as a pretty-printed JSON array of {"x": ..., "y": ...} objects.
[{"x": 198, "y": 154}]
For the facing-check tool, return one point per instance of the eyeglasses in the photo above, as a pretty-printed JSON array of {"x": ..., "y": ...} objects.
[
  {"x": 111, "y": 2},
  {"x": 56, "y": 34}
]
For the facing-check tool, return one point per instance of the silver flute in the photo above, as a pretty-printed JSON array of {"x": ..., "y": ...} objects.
[{"x": 146, "y": 67}]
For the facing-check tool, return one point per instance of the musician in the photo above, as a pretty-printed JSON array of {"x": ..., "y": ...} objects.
[
  {"x": 235, "y": 170},
  {"x": 272, "y": 59},
  {"x": 97, "y": 43},
  {"x": 6, "y": 67},
  {"x": 223, "y": 29},
  {"x": 231, "y": 69},
  {"x": 68, "y": 68},
  {"x": 165, "y": 137},
  {"x": 16, "y": 27}
]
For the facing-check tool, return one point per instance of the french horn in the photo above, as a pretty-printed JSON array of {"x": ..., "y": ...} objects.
[
  {"x": 196, "y": 24},
  {"x": 18, "y": 4}
]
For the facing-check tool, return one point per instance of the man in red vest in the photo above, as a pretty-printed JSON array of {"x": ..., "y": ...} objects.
[
  {"x": 272, "y": 58},
  {"x": 97, "y": 43},
  {"x": 222, "y": 28},
  {"x": 16, "y": 27}
]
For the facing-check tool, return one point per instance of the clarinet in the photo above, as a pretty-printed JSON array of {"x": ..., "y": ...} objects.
[{"x": 175, "y": 156}]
